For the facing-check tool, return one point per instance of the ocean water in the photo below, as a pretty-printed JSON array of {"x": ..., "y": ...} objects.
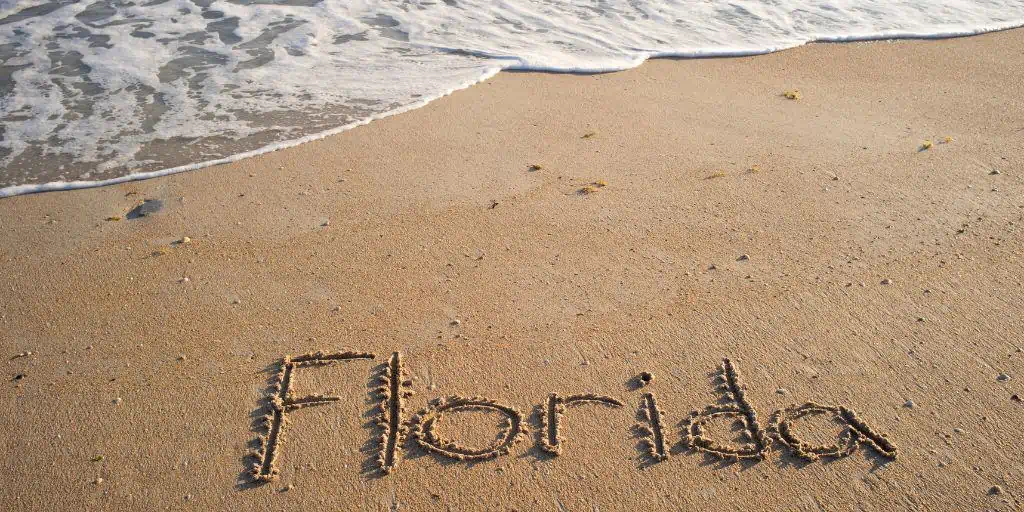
[{"x": 107, "y": 91}]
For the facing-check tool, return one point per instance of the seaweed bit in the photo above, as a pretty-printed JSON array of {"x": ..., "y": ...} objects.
[
  {"x": 654, "y": 431},
  {"x": 695, "y": 425},
  {"x": 394, "y": 389},
  {"x": 424, "y": 430},
  {"x": 857, "y": 432},
  {"x": 551, "y": 437},
  {"x": 282, "y": 401}
]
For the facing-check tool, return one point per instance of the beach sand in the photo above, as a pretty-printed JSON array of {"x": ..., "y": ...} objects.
[{"x": 816, "y": 243}]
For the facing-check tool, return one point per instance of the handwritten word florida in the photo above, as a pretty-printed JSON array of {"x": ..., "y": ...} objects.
[{"x": 392, "y": 387}]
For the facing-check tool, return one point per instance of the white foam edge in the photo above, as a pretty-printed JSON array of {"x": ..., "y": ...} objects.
[
  {"x": 515, "y": 65},
  {"x": 53, "y": 186}
]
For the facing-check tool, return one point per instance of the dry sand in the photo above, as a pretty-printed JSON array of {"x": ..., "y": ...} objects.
[{"x": 428, "y": 234}]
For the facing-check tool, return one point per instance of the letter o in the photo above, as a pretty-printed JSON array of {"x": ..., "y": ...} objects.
[{"x": 425, "y": 428}]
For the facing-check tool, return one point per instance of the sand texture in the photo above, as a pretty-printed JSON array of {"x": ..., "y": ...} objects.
[{"x": 825, "y": 291}]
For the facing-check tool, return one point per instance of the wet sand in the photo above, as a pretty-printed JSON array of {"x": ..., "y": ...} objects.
[{"x": 542, "y": 234}]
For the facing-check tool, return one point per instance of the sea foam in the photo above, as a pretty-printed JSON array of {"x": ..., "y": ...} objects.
[{"x": 94, "y": 93}]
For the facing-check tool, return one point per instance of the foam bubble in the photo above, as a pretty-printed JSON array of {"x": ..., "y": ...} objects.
[{"x": 107, "y": 91}]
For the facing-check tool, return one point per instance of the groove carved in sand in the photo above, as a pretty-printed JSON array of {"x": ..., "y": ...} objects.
[
  {"x": 424, "y": 429},
  {"x": 857, "y": 432},
  {"x": 283, "y": 401},
  {"x": 654, "y": 431},
  {"x": 394, "y": 388},
  {"x": 391, "y": 388},
  {"x": 551, "y": 437},
  {"x": 695, "y": 426}
]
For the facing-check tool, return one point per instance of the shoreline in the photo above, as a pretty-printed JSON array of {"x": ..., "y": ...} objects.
[
  {"x": 58, "y": 186},
  {"x": 539, "y": 234}
]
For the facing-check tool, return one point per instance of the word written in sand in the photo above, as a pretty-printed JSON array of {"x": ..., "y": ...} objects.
[{"x": 392, "y": 387}]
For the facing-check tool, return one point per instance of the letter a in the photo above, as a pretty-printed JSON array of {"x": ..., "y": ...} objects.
[{"x": 855, "y": 433}]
